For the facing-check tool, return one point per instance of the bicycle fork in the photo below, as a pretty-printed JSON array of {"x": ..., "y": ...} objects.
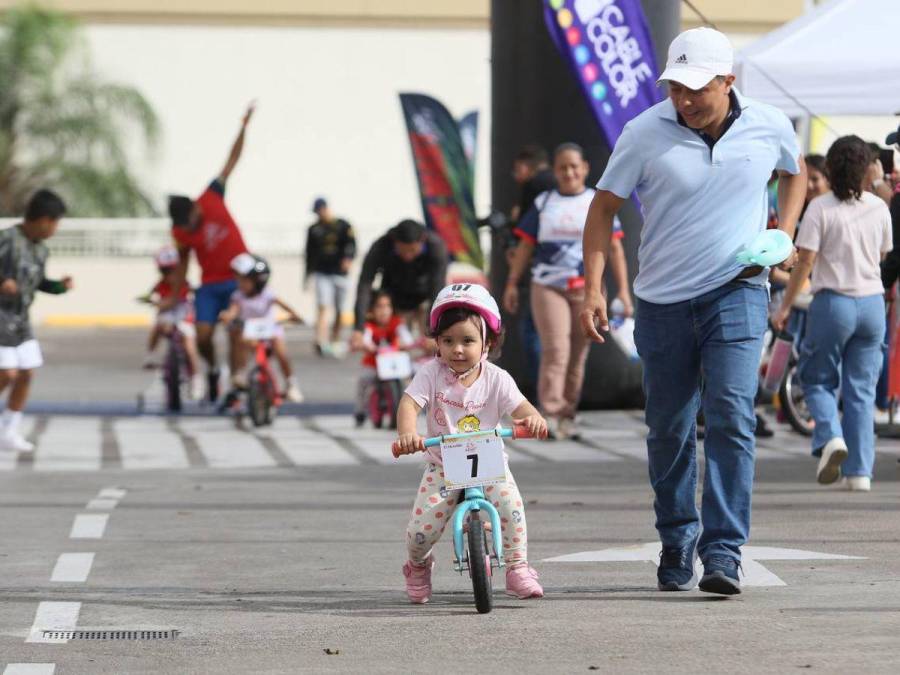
[{"x": 474, "y": 503}]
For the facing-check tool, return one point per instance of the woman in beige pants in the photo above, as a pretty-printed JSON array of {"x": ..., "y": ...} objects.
[{"x": 551, "y": 233}]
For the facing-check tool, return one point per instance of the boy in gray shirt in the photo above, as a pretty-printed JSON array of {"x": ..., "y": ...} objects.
[{"x": 23, "y": 257}]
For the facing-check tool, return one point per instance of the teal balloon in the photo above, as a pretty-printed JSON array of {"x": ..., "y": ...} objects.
[{"x": 771, "y": 247}]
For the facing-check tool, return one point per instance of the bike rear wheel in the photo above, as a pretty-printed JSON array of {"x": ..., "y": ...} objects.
[
  {"x": 480, "y": 566},
  {"x": 375, "y": 407},
  {"x": 172, "y": 379},
  {"x": 259, "y": 402},
  {"x": 793, "y": 402}
]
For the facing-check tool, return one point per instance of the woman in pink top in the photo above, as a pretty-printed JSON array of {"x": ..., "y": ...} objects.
[
  {"x": 462, "y": 392},
  {"x": 845, "y": 234}
]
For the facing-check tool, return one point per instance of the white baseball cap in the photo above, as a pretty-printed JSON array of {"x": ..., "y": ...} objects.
[{"x": 697, "y": 56}]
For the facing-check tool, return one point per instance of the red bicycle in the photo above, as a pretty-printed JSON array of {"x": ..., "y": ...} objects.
[{"x": 264, "y": 396}]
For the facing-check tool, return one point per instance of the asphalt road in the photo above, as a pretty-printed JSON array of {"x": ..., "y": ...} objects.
[{"x": 279, "y": 551}]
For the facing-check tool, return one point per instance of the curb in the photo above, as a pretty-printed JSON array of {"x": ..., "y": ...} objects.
[{"x": 97, "y": 321}]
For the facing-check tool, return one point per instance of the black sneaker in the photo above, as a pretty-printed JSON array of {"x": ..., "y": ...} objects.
[
  {"x": 762, "y": 429},
  {"x": 720, "y": 575},
  {"x": 676, "y": 568},
  {"x": 360, "y": 419},
  {"x": 212, "y": 385}
]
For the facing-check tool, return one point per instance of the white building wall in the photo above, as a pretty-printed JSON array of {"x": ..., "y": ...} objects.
[{"x": 328, "y": 121}]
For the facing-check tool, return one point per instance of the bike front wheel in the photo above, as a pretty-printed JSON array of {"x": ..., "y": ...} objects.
[
  {"x": 259, "y": 403},
  {"x": 793, "y": 402},
  {"x": 172, "y": 379},
  {"x": 480, "y": 567}
]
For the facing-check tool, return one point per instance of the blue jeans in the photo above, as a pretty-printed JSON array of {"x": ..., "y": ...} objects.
[
  {"x": 210, "y": 300},
  {"x": 718, "y": 335},
  {"x": 843, "y": 349},
  {"x": 531, "y": 342},
  {"x": 881, "y": 389}
]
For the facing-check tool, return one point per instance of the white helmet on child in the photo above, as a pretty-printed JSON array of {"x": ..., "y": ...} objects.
[
  {"x": 470, "y": 296},
  {"x": 167, "y": 257}
]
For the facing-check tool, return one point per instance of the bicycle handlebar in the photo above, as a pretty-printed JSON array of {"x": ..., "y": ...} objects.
[{"x": 517, "y": 432}]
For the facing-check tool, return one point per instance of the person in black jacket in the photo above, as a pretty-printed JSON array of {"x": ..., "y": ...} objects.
[
  {"x": 330, "y": 249},
  {"x": 412, "y": 262}
]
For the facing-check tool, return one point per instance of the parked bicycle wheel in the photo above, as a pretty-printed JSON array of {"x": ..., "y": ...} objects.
[
  {"x": 480, "y": 566},
  {"x": 793, "y": 402},
  {"x": 259, "y": 398}
]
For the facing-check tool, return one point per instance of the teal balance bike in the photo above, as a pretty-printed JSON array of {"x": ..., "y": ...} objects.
[{"x": 471, "y": 461}]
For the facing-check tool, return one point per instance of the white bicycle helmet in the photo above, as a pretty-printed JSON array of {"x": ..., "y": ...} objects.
[
  {"x": 167, "y": 257},
  {"x": 471, "y": 296}
]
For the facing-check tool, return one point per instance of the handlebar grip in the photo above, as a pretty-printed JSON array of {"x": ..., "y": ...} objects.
[{"x": 521, "y": 431}]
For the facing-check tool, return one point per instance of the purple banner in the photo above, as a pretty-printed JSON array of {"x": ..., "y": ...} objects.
[{"x": 607, "y": 44}]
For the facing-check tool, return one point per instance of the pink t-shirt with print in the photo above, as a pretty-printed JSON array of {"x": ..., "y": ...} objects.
[{"x": 451, "y": 408}]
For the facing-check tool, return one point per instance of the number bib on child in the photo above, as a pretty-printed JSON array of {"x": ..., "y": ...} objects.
[
  {"x": 473, "y": 461},
  {"x": 393, "y": 365},
  {"x": 259, "y": 329}
]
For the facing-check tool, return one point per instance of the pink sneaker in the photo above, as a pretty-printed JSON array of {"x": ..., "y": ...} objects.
[
  {"x": 522, "y": 582},
  {"x": 418, "y": 581}
]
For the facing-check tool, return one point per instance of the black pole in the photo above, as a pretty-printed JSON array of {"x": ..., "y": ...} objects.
[{"x": 536, "y": 99}]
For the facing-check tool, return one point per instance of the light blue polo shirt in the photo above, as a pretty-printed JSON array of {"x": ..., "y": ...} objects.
[{"x": 700, "y": 205}]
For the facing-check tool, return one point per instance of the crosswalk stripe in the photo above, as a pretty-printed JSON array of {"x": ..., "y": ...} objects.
[
  {"x": 307, "y": 448},
  {"x": 30, "y": 669},
  {"x": 223, "y": 448},
  {"x": 146, "y": 444},
  {"x": 69, "y": 444}
]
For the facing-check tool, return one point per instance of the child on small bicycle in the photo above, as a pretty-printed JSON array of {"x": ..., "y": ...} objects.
[
  {"x": 173, "y": 311},
  {"x": 382, "y": 329},
  {"x": 461, "y": 390},
  {"x": 253, "y": 300}
]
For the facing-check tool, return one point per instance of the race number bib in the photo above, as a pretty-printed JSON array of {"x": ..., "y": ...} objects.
[
  {"x": 393, "y": 365},
  {"x": 473, "y": 461},
  {"x": 259, "y": 329}
]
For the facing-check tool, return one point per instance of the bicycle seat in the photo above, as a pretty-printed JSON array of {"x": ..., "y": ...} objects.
[{"x": 770, "y": 247}]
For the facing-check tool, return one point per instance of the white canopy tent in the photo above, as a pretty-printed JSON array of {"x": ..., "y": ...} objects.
[{"x": 843, "y": 58}]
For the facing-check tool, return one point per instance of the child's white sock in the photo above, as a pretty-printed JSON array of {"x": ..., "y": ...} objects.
[{"x": 11, "y": 420}]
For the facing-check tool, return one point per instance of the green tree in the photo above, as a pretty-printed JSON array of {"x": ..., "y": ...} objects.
[{"x": 61, "y": 126}]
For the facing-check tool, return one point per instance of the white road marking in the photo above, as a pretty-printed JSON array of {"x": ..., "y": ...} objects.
[
  {"x": 307, "y": 448},
  {"x": 149, "y": 444},
  {"x": 225, "y": 449},
  {"x": 69, "y": 444},
  {"x": 102, "y": 504},
  {"x": 54, "y": 616},
  {"x": 755, "y": 574},
  {"x": 89, "y": 526},
  {"x": 30, "y": 669},
  {"x": 72, "y": 567},
  {"x": 112, "y": 493}
]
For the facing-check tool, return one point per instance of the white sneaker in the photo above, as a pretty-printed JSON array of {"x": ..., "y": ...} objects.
[
  {"x": 554, "y": 429},
  {"x": 293, "y": 393},
  {"x": 150, "y": 362},
  {"x": 11, "y": 440},
  {"x": 198, "y": 386},
  {"x": 859, "y": 483},
  {"x": 833, "y": 455},
  {"x": 882, "y": 416},
  {"x": 568, "y": 429}
]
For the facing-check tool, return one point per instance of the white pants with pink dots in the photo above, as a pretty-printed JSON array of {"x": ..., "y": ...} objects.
[{"x": 434, "y": 507}]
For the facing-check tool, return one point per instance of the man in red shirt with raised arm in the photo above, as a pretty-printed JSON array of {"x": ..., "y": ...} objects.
[{"x": 205, "y": 226}]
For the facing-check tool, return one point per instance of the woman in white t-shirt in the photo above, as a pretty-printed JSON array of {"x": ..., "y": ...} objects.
[{"x": 844, "y": 235}]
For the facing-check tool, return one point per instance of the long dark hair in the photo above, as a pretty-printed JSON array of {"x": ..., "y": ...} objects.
[{"x": 848, "y": 160}]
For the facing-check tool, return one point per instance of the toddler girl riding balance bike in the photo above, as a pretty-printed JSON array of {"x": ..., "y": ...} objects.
[{"x": 462, "y": 392}]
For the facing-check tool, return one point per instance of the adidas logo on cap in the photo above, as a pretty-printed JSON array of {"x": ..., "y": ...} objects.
[{"x": 681, "y": 60}]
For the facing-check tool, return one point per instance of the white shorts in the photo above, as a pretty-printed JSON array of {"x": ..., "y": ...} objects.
[
  {"x": 27, "y": 356},
  {"x": 331, "y": 290}
]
